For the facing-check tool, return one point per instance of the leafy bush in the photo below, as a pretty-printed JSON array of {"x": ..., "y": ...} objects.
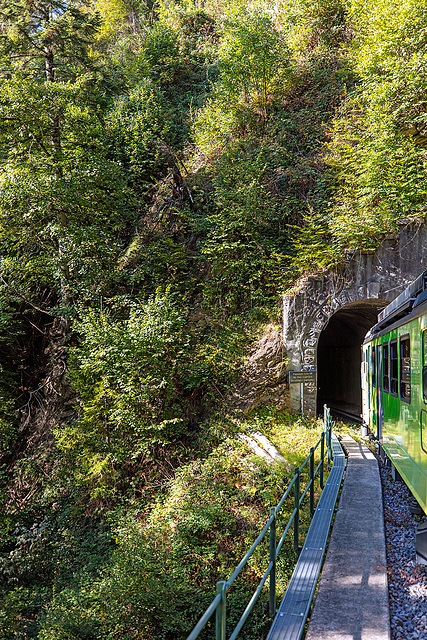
[
  {"x": 169, "y": 555},
  {"x": 138, "y": 381},
  {"x": 135, "y": 125},
  {"x": 253, "y": 67},
  {"x": 246, "y": 229},
  {"x": 377, "y": 149}
]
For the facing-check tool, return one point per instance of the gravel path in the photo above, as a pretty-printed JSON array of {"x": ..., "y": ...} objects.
[{"x": 407, "y": 579}]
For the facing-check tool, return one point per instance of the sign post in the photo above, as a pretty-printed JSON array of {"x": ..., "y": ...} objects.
[{"x": 306, "y": 376}]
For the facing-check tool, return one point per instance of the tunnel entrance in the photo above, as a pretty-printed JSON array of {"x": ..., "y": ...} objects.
[{"x": 339, "y": 356}]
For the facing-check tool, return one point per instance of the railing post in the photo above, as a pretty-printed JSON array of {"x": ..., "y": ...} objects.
[
  {"x": 273, "y": 560},
  {"x": 296, "y": 508},
  {"x": 329, "y": 440},
  {"x": 312, "y": 480},
  {"x": 221, "y": 612},
  {"x": 322, "y": 456}
]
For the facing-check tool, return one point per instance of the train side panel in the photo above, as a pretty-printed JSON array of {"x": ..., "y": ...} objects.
[{"x": 396, "y": 407}]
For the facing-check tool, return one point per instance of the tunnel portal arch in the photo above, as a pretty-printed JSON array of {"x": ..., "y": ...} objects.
[
  {"x": 338, "y": 303},
  {"x": 339, "y": 355}
]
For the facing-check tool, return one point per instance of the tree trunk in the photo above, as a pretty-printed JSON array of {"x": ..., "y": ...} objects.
[
  {"x": 61, "y": 215},
  {"x": 50, "y": 70}
]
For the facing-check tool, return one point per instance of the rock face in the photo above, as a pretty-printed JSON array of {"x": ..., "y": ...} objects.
[{"x": 263, "y": 379}]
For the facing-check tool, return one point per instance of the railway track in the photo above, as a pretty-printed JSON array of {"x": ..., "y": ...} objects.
[{"x": 341, "y": 414}]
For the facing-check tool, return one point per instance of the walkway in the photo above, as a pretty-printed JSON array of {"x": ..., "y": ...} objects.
[
  {"x": 295, "y": 606},
  {"x": 352, "y": 599}
]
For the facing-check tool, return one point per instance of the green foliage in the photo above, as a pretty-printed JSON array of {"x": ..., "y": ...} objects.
[
  {"x": 102, "y": 201},
  {"x": 321, "y": 25},
  {"x": 245, "y": 230},
  {"x": 9, "y": 333},
  {"x": 135, "y": 378},
  {"x": 49, "y": 39},
  {"x": 43, "y": 555},
  {"x": 54, "y": 203},
  {"x": 313, "y": 248},
  {"x": 58, "y": 188},
  {"x": 198, "y": 531},
  {"x": 253, "y": 67},
  {"x": 377, "y": 140},
  {"x": 113, "y": 14},
  {"x": 136, "y": 123},
  {"x": 160, "y": 53}
]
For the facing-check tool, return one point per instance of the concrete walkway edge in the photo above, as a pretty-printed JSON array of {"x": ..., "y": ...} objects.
[{"x": 352, "y": 598}]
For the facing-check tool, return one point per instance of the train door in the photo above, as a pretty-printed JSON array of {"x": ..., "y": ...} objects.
[
  {"x": 365, "y": 383},
  {"x": 424, "y": 404},
  {"x": 379, "y": 388}
]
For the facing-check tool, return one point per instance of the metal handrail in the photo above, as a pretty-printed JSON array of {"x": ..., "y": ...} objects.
[{"x": 219, "y": 603}]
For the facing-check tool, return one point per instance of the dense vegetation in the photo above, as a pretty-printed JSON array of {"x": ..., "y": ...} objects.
[{"x": 167, "y": 168}]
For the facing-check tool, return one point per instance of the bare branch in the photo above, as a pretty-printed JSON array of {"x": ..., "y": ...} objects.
[{"x": 21, "y": 295}]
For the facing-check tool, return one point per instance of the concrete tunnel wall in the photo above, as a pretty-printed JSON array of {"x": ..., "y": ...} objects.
[{"x": 325, "y": 321}]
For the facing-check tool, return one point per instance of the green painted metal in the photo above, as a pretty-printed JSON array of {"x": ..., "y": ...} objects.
[
  {"x": 251, "y": 604},
  {"x": 311, "y": 481},
  {"x": 219, "y": 604},
  {"x": 273, "y": 557},
  {"x": 221, "y": 612},
  {"x": 400, "y": 421},
  {"x": 295, "y": 606},
  {"x": 322, "y": 455},
  {"x": 296, "y": 509}
]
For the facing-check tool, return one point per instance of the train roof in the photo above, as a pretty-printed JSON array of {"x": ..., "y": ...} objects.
[{"x": 414, "y": 295}]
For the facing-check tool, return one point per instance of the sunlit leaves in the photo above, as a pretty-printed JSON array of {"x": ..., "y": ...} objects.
[
  {"x": 136, "y": 124},
  {"x": 253, "y": 66},
  {"x": 49, "y": 198},
  {"x": 59, "y": 30},
  {"x": 378, "y": 137}
]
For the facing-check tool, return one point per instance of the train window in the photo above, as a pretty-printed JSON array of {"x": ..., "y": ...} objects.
[
  {"x": 385, "y": 368},
  {"x": 405, "y": 369},
  {"x": 394, "y": 382},
  {"x": 374, "y": 368}
]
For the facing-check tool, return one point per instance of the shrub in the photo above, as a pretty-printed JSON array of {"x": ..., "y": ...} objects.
[{"x": 135, "y": 378}]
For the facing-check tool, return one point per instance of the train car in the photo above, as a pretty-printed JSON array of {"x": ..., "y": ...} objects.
[{"x": 394, "y": 385}]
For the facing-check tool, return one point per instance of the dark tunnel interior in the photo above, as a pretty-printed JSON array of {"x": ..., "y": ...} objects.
[{"x": 339, "y": 356}]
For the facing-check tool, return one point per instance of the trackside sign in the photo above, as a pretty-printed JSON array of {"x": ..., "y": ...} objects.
[{"x": 307, "y": 376}]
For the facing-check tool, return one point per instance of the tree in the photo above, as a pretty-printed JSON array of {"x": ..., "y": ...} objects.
[
  {"x": 254, "y": 64},
  {"x": 377, "y": 148},
  {"x": 50, "y": 38},
  {"x": 61, "y": 198}
]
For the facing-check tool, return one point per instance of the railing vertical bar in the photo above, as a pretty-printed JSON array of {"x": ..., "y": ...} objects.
[
  {"x": 322, "y": 457},
  {"x": 296, "y": 507},
  {"x": 311, "y": 481},
  {"x": 329, "y": 435},
  {"x": 273, "y": 562},
  {"x": 205, "y": 618},
  {"x": 221, "y": 612}
]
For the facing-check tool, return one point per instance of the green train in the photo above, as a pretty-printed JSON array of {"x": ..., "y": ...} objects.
[{"x": 394, "y": 385}]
